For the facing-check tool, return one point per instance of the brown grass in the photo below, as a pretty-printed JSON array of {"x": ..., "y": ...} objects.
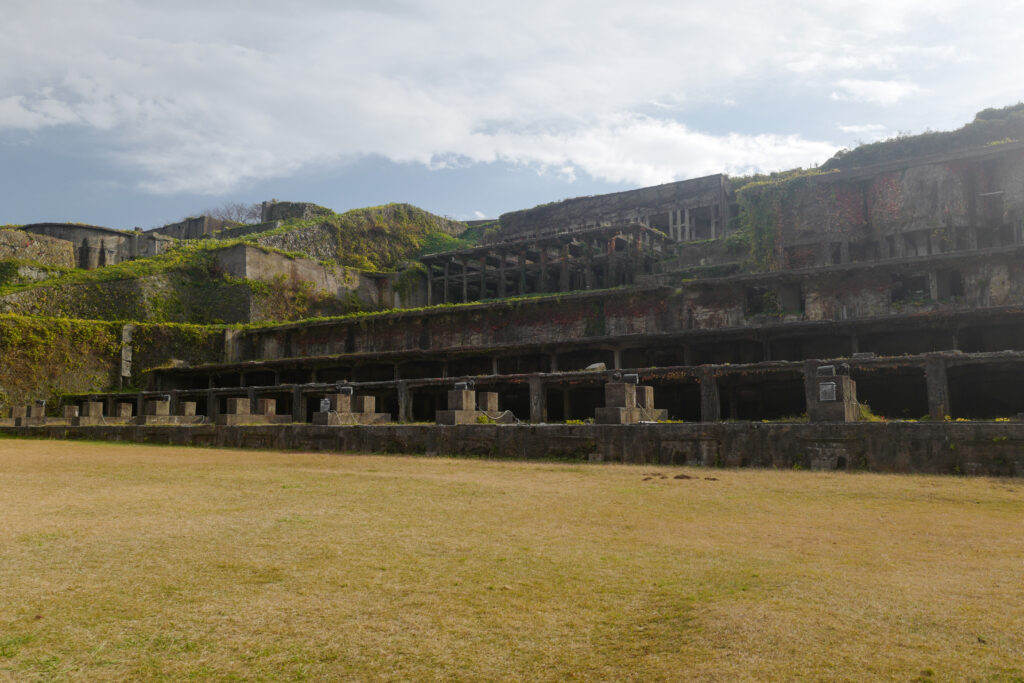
[{"x": 130, "y": 562}]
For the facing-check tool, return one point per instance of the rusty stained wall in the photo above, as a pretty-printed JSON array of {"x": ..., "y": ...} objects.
[
  {"x": 965, "y": 283},
  {"x": 964, "y": 202}
]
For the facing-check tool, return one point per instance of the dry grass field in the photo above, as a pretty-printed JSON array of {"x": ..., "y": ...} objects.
[{"x": 126, "y": 562}]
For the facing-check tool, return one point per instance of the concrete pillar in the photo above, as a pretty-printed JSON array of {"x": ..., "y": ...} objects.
[
  {"x": 447, "y": 270},
  {"x": 483, "y": 278},
  {"x": 251, "y": 395},
  {"x": 174, "y": 402},
  {"x": 854, "y": 344},
  {"x": 554, "y": 362},
  {"x": 687, "y": 228},
  {"x": 710, "y": 408},
  {"x": 494, "y": 365},
  {"x": 766, "y": 350},
  {"x": 298, "y": 405},
  {"x": 404, "y": 402},
  {"x": 538, "y": 401},
  {"x": 212, "y": 406},
  {"x": 501, "y": 275},
  {"x": 465, "y": 280},
  {"x": 617, "y": 359},
  {"x": 588, "y": 275},
  {"x": 938, "y": 388},
  {"x": 430, "y": 285}
]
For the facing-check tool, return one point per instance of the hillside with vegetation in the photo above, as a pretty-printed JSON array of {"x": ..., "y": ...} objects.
[{"x": 990, "y": 126}]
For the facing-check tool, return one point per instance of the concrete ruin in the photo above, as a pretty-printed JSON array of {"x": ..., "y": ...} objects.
[{"x": 894, "y": 292}]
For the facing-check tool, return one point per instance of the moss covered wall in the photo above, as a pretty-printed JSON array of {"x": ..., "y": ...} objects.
[{"x": 46, "y": 357}]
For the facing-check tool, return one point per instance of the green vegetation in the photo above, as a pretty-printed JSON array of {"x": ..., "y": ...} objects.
[
  {"x": 373, "y": 239},
  {"x": 761, "y": 199},
  {"x": 990, "y": 126}
]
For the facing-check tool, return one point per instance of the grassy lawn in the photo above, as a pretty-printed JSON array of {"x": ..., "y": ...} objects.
[{"x": 132, "y": 562}]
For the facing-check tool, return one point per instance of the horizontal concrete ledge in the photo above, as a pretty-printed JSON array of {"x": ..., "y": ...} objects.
[{"x": 977, "y": 448}]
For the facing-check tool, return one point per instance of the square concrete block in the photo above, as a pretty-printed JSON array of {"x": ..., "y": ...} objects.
[
  {"x": 487, "y": 401},
  {"x": 70, "y": 411},
  {"x": 340, "y": 403},
  {"x": 19, "y": 411},
  {"x": 644, "y": 397},
  {"x": 36, "y": 411},
  {"x": 238, "y": 406},
  {"x": 463, "y": 399},
  {"x": 365, "y": 404},
  {"x": 161, "y": 408},
  {"x": 266, "y": 406},
  {"x": 92, "y": 409},
  {"x": 619, "y": 395},
  {"x": 124, "y": 409},
  {"x": 187, "y": 408}
]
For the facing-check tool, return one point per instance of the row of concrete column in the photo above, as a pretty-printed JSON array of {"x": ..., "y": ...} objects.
[{"x": 556, "y": 270}]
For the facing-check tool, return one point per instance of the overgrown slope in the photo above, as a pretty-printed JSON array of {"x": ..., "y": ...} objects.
[
  {"x": 375, "y": 238},
  {"x": 990, "y": 126}
]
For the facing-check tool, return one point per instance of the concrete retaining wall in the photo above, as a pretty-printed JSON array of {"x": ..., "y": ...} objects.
[{"x": 981, "y": 448}]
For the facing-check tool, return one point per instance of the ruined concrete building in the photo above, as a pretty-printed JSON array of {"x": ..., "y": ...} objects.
[{"x": 726, "y": 301}]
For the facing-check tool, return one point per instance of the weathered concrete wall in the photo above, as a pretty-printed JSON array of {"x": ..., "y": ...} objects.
[
  {"x": 49, "y": 251},
  {"x": 97, "y": 246},
  {"x": 990, "y": 449},
  {"x": 281, "y": 211},
  {"x": 193, "y": 228},
  {"x": 371, "y": 291},
  {"x": 960, "y": 201},
  {"x": 864, "y": 292},
  {"x": 619, "y": 207}
]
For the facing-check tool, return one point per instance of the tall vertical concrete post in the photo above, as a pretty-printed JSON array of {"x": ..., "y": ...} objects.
[
  {"x": 538, "y": 401},
  {"x": 404, "y": 402},
  {"x": 710, "y": 403},
  {"x": 937, "y": 382}
]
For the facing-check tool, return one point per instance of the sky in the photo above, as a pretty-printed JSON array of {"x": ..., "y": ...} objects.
[{"x": 126, "y": 114}]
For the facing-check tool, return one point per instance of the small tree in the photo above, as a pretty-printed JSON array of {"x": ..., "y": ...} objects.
[{"x": 237, "y": 212}]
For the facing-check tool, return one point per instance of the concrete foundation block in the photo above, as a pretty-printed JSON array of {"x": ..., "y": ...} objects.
[
  {"x": 70, "y": 412},
  {"x": 457, "y": 417},
  {"x": 462, "y": 399},
  {"x": 161, "y": 408},
  {"x": 266, "y": 406},
  {"x": 238, "y": 406},
  {"x": 645, "y": 397},
  {"x": 92, "y": 409},
  {"x": 340, "y": 403},
  {"x": 487, "y": 401},
  {"x": 619, "y": 395},
  {"x": 187, "y": 408},
  {"x": 19, "y": 411},
  {"x": 365, "y": 404},
  {"x": 625, "y": 416},
  {"x": 124, "y": 410}
]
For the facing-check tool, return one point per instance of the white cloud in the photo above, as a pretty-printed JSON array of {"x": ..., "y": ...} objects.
[
  {"x": 885, "y": 93},
  {"x": 202, "y": 97},
  {"x": 868, "y": 132}
]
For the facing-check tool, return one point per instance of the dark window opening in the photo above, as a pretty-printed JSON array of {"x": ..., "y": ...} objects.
[{"x": 909, "y": 288}]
